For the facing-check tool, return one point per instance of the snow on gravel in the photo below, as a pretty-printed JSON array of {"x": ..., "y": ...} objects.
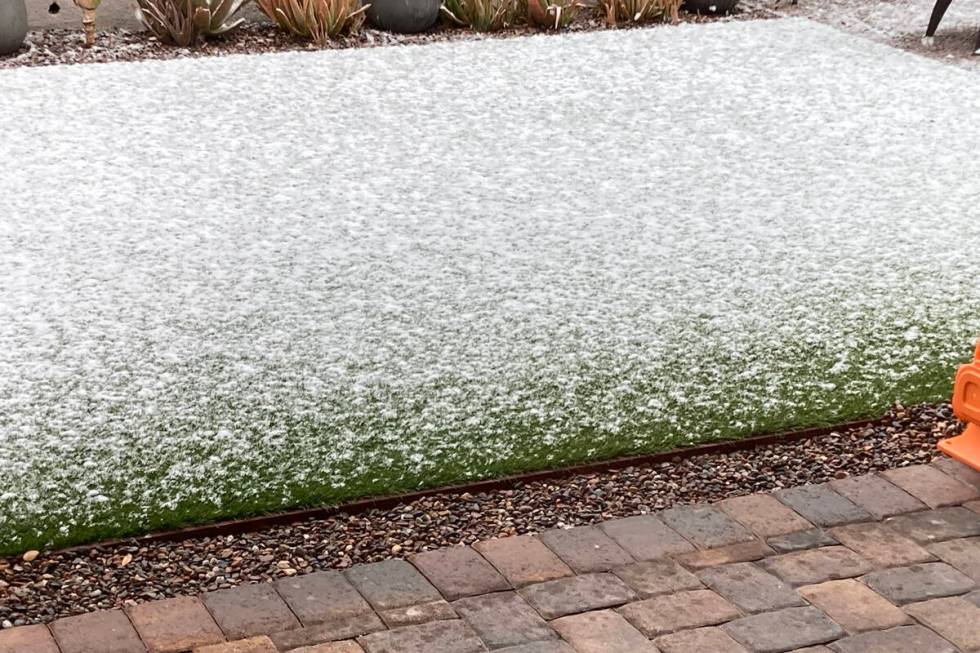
[{"x": 247, "y": 282}]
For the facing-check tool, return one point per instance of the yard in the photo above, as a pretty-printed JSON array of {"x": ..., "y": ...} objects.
[{"x": 366, "y": 271}]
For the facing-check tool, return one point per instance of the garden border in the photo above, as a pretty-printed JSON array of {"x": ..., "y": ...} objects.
[{"x": 260, "y": 522}]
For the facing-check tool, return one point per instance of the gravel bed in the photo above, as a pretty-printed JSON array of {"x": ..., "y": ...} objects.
[
  {"x": 65, "y": 46},
  {"x": 63, "y": 584}
]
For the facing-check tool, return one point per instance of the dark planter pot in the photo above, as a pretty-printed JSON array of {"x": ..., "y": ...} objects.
[
  {"x": 709, "y": 6},
  {"x": 404, "y": 16},
  {"x": 13, "y": 25}
]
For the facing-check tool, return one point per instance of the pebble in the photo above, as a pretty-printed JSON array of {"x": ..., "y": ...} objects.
[{"x": 62, "y": 584}]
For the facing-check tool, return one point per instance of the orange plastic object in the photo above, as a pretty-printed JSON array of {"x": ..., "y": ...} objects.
[{"x": 966, "y": 404}]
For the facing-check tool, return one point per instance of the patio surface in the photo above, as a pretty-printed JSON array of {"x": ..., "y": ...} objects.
[{"x": 886, "y": 563}]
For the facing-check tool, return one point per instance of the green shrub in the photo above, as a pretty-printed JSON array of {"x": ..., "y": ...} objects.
[
  {"x": 483, "y": 15},
  {"x": 185, "y": 22}
]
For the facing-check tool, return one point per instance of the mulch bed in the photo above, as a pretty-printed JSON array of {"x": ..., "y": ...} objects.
[
  {"x": 67, "y": 583},
  {"x": 64, "y": 46}
]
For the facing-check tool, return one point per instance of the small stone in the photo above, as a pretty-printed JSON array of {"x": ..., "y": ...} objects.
[{"x": 31, "y": 556}]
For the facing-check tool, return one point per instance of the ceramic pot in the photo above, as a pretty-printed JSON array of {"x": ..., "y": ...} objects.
[
  {"x": 404, "y": 16},
  {"x": 13, "y": 25}
]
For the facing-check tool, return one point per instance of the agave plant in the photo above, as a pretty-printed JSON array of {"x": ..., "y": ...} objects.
[
  {"x": 552, "y": 14},
  {"x": 319, "y": 20},
  {"x": 184, "y": 22},
  {"x": 483, "y": 15},
  {"x": 639, "y": 11}
]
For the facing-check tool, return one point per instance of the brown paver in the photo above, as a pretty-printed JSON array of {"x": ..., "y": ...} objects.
[
  {"x": 706, "y": 526},
  {"x": 322, "y": 598},
  {"x": 905, "y": 639},
  {"x": 962, "y": 554},
  {"x": 433, "y": 637},
  {"x": 557, "y": 598},
  {"x": 937, "y": 525},
  {"x": 773, "y": 632},
  {"x": 645, "y": 537},
  {"x": 973, "y": 597},
  {"x": 919, "y": 582},
  {"x": 741, "y": 552},
  {"x": 174, "y": 625},
  {"x": 553, "y": 646},
  {"x": 249, "y": 610},
  {"x": 814, "y": 566},
  {"x": 106, "y": 631},
  {"x": 822, "y": 505},
  {"x": 764, "y": 515},
  {"x": 749, "y": 604},
  {"x": 261, "y": 644},
  {"x": 347, "y": 646},
  {"x": 27, "y": 638},
  {"x": 503, "y": 619},
  {"x": 854, "y": 606},
  {"x": 750, "y": 588},
  {"x": 930, "y": 486},
  {"x": 973, "y": 505},
  {"x": 876, "y": 494},
  {"x": 418, "y": 614},
  {"x": 391, "y": 584},
  {"x": 586, "y": 549},
  {"x": 656, "y": 577},
  {"x": 809, "y": 539},
  {"x": 711, "y": 639},
  {"x": 523, "y": 559},
  {"x": 344, "y": 628},
  {"x": 880, "y": 545},
  {"x": 959, "y": 471},
  {"x": 662, "y": 615},
  {"x": 459, "y": 571},
  {"x": 602, "y": 631},
  {"x": 956, "y": 619}
]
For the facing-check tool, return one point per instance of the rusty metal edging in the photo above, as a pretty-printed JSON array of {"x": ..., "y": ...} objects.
[{"x": 250, "y": 524}]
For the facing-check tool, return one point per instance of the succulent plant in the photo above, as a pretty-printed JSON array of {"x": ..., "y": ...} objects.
[
  {"x": 184, "y": 22},
  {"x": 483, "y": 15},
  {"x": 551, "y": 14},
  {"x": 639, "y": 11},
  {"x": 318, "y": 20}
]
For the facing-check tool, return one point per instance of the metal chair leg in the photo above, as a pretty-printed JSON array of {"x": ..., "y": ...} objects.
[{"x": 938, "y": 11}]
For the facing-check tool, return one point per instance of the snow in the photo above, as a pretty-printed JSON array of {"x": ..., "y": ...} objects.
[{"x": 243, "y": 283}]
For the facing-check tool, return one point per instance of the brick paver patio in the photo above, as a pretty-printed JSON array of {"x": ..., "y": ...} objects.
[{"x": 883, "y": 563}]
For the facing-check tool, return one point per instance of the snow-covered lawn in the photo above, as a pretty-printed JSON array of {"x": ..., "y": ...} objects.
[{"x": 252, "y": 283}]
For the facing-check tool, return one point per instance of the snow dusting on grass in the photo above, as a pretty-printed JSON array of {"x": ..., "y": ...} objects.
[{"x": 252, "y": 283}]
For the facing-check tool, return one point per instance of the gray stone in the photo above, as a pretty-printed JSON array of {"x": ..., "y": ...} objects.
[
  {"x": 919, "y": 582},
  {"x": 503, "y": 619},
  {"x": 434, "y": 637},
  {"x": 556, "y": 598},
  {"x": 655, "y": 577},
  {"x": 937, "y": 525},
  {"x": 645, "y": 537},
  {"x": 391, "y": 584},
  {"x": 904, "y": 639},
  {"x": 783, "y": 630},
  {"x": 822, "y": 505},
  {"x": 808, "y": 539},
  {"x": 706, "y": 526},
  {"x": 586, "y": 549},
  {"x": 879, "y": 496},
  {"x": 750, "y": 588}
]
